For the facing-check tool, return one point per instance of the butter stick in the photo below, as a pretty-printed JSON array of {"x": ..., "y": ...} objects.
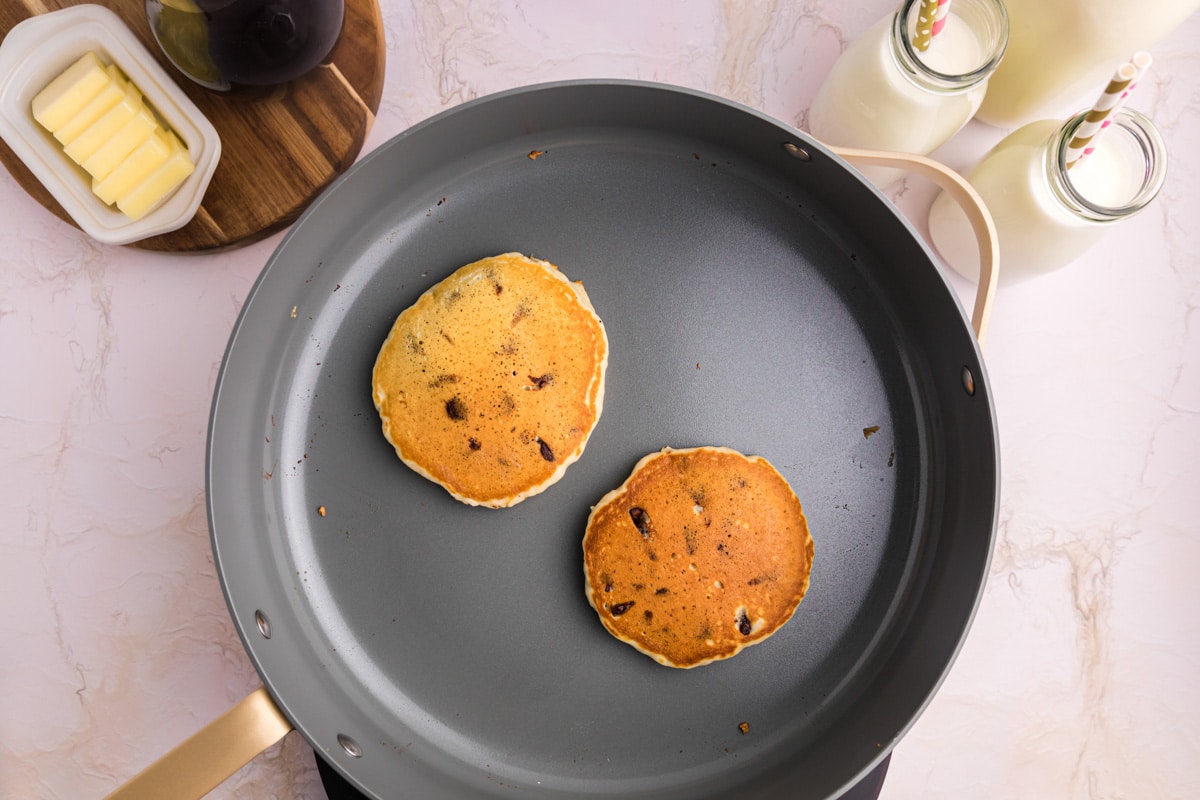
[
  {"x": 105, "y": 99},
  {"x": 64, "y": 96},
  {"x": 127, "y": 138},
  {"x": 159, "y": 183},
  {"x": 151, "y": 155},
  {"x": 103, "y": 129}
]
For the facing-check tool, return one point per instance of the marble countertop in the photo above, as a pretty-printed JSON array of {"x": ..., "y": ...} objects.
[{"x": 1079, "y": 678}]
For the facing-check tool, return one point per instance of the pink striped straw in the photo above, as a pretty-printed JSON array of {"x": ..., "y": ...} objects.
[{"x": 939, "y": 20}]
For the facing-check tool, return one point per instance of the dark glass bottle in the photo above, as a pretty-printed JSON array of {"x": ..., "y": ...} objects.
[{"x": 226, "y": 44}]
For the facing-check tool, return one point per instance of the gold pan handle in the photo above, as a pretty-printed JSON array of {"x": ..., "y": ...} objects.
[
  {"x": 212, "y": 754},
  {"x": 972, "y": 204}
]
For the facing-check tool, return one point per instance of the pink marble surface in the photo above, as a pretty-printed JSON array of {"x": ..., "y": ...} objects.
[{"x": 1080, "y": 676}]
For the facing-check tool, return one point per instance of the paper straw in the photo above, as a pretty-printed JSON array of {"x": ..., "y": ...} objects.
[
  {"x": 939, "y": 19},
  {"x": 927, "y": 16},
  {"x": 1100, "y": 116}
]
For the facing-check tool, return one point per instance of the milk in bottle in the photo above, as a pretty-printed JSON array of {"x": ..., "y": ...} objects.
[
  {"x": 1047, "y": 214},
  {"x": 884, "y": 93}
]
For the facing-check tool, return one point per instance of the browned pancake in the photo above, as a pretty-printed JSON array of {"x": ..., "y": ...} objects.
[
  {"x": 491, "y": 383},
  {"x": 699, "y": 553}
]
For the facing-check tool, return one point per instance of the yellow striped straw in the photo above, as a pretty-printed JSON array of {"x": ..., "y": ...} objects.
[
  {"x": 1083, "y": 141},
  {"x": 926, "y": 15}
]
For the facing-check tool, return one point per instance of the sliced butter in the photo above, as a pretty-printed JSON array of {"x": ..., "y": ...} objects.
[
  {"x": 100, "y": 118},
  {"x": 105, "y": 99},
  {"x": 104, "y": 128},
  {"x": 128, "y": 137},
  {"x": 159, "y": 183},
  {"x": 151, "y": 155},
  {"x": 64, "y": 96}
]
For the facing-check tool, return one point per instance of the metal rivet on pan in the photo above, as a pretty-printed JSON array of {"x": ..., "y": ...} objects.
[
  {"x": 968, "y": 381},
  {"x": 349, "y": 745},
  {"x": 264, "y": 625},
  {"x": 796, "y": 151}
]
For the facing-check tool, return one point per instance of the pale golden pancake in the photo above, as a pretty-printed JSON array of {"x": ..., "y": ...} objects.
[
  {"x": 491, "y": 383},
  {"x": 698, "y": 554}
]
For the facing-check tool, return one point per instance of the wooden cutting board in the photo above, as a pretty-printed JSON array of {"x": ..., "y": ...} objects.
[{"x": 279, "y": 147}]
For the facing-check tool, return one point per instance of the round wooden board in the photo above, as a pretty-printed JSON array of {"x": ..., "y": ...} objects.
[{"x": 279, "y": 148}]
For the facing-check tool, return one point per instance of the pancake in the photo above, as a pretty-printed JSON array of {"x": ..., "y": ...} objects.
[
  {"x": 698, "y": 554},
  {"x": 491, "y": 383}
]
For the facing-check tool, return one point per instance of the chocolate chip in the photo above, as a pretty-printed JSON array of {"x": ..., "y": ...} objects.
[
  {"x": 541, "y": 381},
  {"x": 648, "y": 614},
  {"x": 641, "y": 521},
  {"x": 455, "y": 409},
  {"x": 743, "y": 624},
  {"x": 547, "y": 453},
  {"x": 663, "y": 590},
  {"x": 473, "y": 443},
  {"x": 617, "y": 609}
]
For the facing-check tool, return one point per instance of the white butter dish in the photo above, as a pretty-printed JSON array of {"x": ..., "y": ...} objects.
[{"x": 33, "y": 54}]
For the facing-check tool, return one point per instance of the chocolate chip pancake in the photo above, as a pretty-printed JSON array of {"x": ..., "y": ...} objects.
[
  {"x": 491, "y": 383},
  {"x": 698, "y": 554}
]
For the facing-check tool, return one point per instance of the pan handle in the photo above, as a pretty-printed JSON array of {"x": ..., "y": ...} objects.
[
  {"x": 973, "y": 206},
  {"x": 212, "y": 754}
]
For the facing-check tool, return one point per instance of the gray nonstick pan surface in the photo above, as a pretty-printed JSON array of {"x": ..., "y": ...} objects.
[{"x": 756, "y": 297}]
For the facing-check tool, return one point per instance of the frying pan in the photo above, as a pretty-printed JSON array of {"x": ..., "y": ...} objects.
[{"x": 757, "y": 294}]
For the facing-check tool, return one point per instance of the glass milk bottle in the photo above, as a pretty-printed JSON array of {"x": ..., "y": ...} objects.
[
  {"x": 1047, "y": 214},
  {"x": 885, "y": 94},
  {"x": 1058, "y": 51}
]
